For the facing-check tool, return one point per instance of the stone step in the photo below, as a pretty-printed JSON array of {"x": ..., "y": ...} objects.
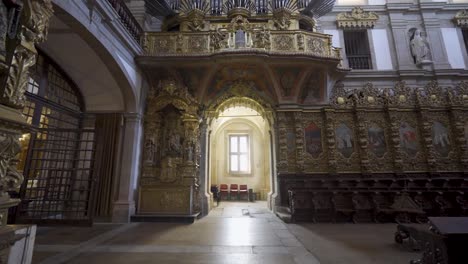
[
  {"x": 284, "y": 213},
  {"x": 174, "y": 218}
]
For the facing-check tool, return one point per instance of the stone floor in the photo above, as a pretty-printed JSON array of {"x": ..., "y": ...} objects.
[{"x": 233, "y": 233}]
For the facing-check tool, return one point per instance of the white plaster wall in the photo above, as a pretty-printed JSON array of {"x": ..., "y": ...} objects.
[
  {"x": 351, "y": 2},
  {"x": 377, "y": 2},
  {"x": 97, "y": 26},
  {"x": 453, "y": 48},
  {"x": 241, "y": 119},
  {"x": 381, "y": 49},
  {"x": 259, "y": 174},
  {"x": 336, "y": 37}
]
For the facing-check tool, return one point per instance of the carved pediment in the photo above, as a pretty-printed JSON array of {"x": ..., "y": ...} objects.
[
  {"x": 461, "y": 18},
  {"x": 357, "y": 18},
  {"x": 169, "y": 93}
]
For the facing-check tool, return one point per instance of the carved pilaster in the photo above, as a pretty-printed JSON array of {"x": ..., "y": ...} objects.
[
  {"x": 299, "y": 131},
  {"x": 458, "y": 120},
  {"x": 22, "y": 25},
  {"x": 282, "y": 142},
  {"x": 394, "y": 125},
  {"x": 362, "y": 141},
  {"x": 21, "y": 53},
  {"x": 330, "y": 139},
  {"x": 426, "y": 127}
]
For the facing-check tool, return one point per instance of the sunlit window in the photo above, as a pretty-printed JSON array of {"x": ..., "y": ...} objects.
[{"x": 239, "y": 153}]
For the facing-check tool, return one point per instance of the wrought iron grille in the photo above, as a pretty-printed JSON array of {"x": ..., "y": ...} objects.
[
  {"x": 357, "y": 49},
  {"x": 465, "y": 37},
  {"x": 59, "y": 153}
]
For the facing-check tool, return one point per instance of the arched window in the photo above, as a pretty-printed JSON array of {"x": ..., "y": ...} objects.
[{"x": 57, "y": 156}]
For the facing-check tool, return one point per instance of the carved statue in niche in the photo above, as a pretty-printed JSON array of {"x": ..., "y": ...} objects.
[
  {"x": 172, "y": 127},
  {"x": 196, "y": 21},
  {"x": 169, "y": 169},
  {"x": 150, "y": 149},
  {"x": 419, "y": 48},
  {"x": 282, "y": 20}
]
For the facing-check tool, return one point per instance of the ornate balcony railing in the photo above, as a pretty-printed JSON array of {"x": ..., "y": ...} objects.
[
  {"x": 127, "y": 19},
  {"x": 211, "y": 42}
]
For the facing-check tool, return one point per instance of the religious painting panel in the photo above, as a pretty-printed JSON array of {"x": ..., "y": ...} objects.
[
  {"x": 440, "y": 139},
  {"x": 378, "y": 144},
  {"x": 344, "y": 140},
  {"x": 314, "y": 135},
  {"x": 313, "y": 140},
  {"x": 442, "y": 148},
  {"x": 376, "y": 140},
  {"x": 410, "y": 148},
  {"x": 409, "y": 138},
  {"x": 347, "y": 155}
]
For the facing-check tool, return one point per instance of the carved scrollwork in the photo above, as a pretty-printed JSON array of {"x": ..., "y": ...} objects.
[
  {"x": 339, "y": 97},
  {"x": 316, "y": 46},
  {"x": 459, "y": 95},
  {"x": 400, "y": 96},
  {"x": 283, "y": 42},
  {"x": 34, "y": 25},
  {"x": 10, "y": 178},
  {"x": 432, "y": 95},
  {"x": 368, "y": 96},
  {"x": 461, "y": 18},
  {"x": 357, "y": 18}
]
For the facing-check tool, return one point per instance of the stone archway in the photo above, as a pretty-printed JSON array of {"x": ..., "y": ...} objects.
[{"x": 239, "y": 96}]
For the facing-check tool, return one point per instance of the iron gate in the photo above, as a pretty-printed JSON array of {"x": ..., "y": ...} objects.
[{"x": 58, "y": 178}]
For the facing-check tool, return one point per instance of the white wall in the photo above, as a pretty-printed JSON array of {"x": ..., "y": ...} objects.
[
  {"x": 253, "y": 125},
  {"x": 381, "y": 47},
  {"x": 336, "y": 37},
  {"x": 453, "y": 48}
]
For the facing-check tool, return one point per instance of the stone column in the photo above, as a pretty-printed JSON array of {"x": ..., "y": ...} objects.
[
  {"x": 124, "y": 206},
  {"x": 203, "y": 173}
]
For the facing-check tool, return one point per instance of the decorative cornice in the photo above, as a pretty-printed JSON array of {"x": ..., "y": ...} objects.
[
  {"x": 461, "y": 18},
  {"x": 357, "y": 18}
]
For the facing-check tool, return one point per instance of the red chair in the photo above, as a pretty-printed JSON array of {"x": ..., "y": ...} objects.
[
  {"x": 243, "y": 191},
  {"x": 223, "y": 191},
  {"x": 234, "y": 190}
]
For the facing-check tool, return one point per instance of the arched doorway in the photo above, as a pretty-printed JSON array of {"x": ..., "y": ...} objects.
[
  {"x": 57, "y": 156},
  {"x": 240, "y": 149}
]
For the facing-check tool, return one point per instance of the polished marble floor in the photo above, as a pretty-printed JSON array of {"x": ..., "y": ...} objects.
[{"x": 233, "y": 233}]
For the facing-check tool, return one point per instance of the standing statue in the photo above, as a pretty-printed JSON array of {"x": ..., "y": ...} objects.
[{"x": 419, "y": 48}]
